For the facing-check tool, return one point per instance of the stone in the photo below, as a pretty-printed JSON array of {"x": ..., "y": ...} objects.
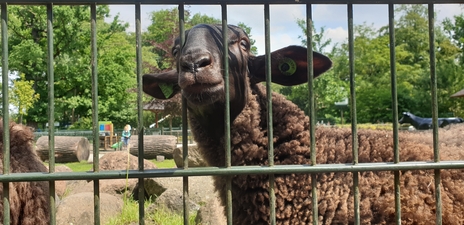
[
  {"x": 121, "y": 160},
  {"x": 172, "y": 200},
  {"x": 61, "y": 186},
  {"x": 211, "y": 213},
  {"x": 118, "y": 160},
  {"x": 79, "y": 208},
  {"x": 195, "y": 158},
  {"x": 116, "y": 187},
  {"x": 200, "y": 188}
]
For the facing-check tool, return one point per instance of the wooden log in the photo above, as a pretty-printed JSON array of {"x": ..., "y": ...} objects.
[
  {"x": 154, "y": 145},
  {"x": 67, "y": 149}
]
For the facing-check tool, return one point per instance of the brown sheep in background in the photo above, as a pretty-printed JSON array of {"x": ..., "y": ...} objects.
[
  {"x": 29, "y": 201},
  {"x": 200, "y": 79}
]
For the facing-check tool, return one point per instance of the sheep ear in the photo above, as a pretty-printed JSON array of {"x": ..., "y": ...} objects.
[
  {"x": 161, "y": 85},
  {"x": 289, "y": 66}
]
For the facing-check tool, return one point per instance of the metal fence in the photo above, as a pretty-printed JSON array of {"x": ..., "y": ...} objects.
[{"x": 313, "y": 169}]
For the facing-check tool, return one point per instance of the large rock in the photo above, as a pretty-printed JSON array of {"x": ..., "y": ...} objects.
[
  {"x": 200, "y": 188},
  {"x": 194, "y": 157},
  {"x": 211, "y": 213},
  {"x": 61, "y": 186},
  {"x": 78, "y": 208},
  {"x": 118, "y": 160},
  {"x": 172, "y": 201},
  {"x": 116, "y": 187}
]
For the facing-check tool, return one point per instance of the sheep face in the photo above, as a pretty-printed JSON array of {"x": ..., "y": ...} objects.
[
  {"x": 199, "y": 64},
  {"x": 199, "y": 71}
]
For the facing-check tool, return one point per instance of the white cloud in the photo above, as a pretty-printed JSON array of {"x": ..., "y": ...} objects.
[
  {"x": 338, "y": 34},
  {"x": 448, "y": 10}
]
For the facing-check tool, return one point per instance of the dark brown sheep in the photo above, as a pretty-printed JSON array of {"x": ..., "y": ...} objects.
[
  {"x": 200, "y": 79},
  {"x": 29, "y": 201}
]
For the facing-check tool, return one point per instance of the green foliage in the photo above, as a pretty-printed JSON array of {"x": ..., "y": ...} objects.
[
  {"x": 319, "y": 42},
  {"x": 23, "y": 96},
  {"x": 72, "y": 60},
  {"x": 455, "y": 30},
  {"x": 84, "y": 123},
  {"x": 130, "y": 215},
  {"x": 328, "y": 88},
  {"x": 76, "y": 166},
  {"x": 413, "y": 69},
  {"x": 373, "y": 73},
  {"x": 165, "y": 217}
]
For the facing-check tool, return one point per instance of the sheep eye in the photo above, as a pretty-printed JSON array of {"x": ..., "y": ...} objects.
[{"x": 244, "y": 44}]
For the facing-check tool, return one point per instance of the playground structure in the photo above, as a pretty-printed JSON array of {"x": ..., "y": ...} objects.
[{"x": 107, "y": 135}]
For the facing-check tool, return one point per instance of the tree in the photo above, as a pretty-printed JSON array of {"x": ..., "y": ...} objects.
[
  {"x": 72, "y": 62},
  {"x": 412, "y": 36},
  {"x": 23, "y": 96},
  {"x": 328, "y": 88},
  {"x": 372, "y": 67},
  {"x": 455, "y": 31}
]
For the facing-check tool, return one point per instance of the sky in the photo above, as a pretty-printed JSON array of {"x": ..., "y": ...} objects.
[{"x": 284, "y": 30}]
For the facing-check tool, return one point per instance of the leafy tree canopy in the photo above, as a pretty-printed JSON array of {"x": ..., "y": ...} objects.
[{"x": 373, "y": 73}]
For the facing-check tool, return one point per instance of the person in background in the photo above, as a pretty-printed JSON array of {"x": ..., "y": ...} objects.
[{"x": 126, "y": 134}]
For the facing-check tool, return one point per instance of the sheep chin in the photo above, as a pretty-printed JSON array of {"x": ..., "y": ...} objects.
[{"x": 202, "y": 95}]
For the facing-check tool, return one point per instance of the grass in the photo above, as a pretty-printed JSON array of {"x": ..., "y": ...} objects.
[
  {"x": 130, "y": 211},
  {"x": 86, "y": 166},
  {"x": 167, "y": 163},
  {"x": 78, "y": 166},
  {"x": 130, "y": 215},
  {"x": 165, "y": 217}
]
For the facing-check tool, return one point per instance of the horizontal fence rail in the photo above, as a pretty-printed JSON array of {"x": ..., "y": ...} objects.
[
  {"x": 228, "y": 170},
  {"x": 233, "y": 170},
  {"x": 228, "y": 2}
]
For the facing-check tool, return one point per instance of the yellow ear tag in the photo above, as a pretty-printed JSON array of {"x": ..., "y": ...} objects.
[
  {"x": 167, "y": 89},
  {"x": 287, "y": 66}
]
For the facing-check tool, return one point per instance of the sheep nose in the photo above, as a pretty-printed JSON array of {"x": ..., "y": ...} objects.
[{"x": 195, "y": 62}]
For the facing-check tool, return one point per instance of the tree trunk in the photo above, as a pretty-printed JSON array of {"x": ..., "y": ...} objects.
[
  {"x": 67, "y": 149},
  {"x": 154, "y": 145}
]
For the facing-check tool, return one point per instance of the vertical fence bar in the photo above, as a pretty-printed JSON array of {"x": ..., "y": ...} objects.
[
  {"x": 354, "y": 129},
  {"x": 6, "y": 115},
  {"x": 312, "y": 111},
  {"x": 227, "y": 146},
  {"x": 184, "y": 125},
  {"x": 394, "y": 93},
  {"x": 95, "y": 128},
  {"x": 270, "y": 132},
  {"x": 140, "y": 128},
  {"x": 433, "y": 82},
  {"x": 51, "y": 110},
  {"x": 227, "y": 111}
]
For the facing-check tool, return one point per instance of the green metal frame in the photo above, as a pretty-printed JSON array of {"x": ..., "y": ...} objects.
[{"x": 228, "y": 170}]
